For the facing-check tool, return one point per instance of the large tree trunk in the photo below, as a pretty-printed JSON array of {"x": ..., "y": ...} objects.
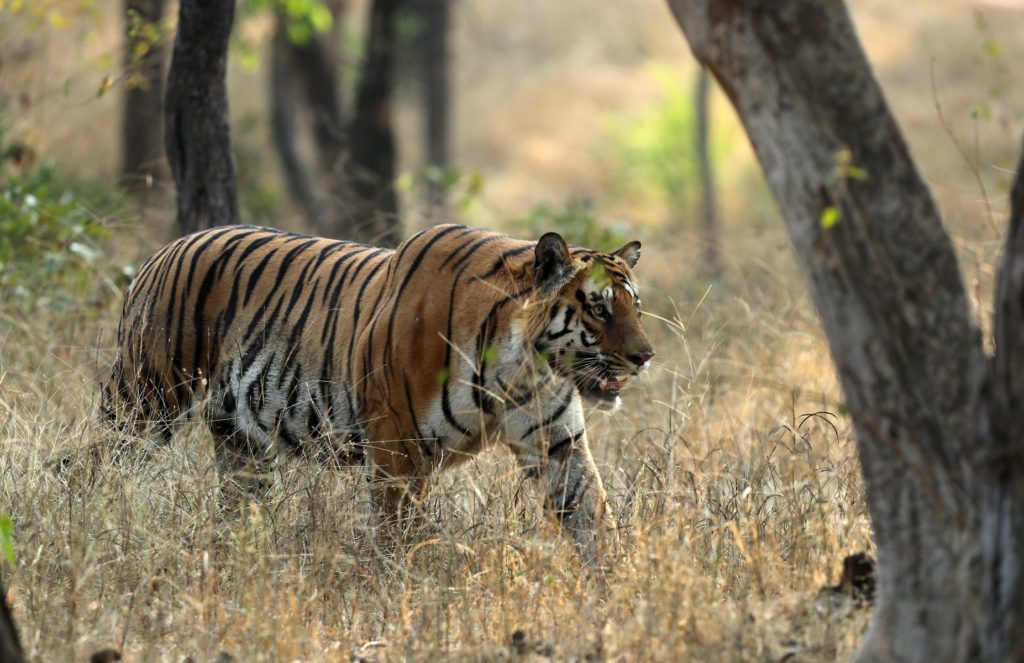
[
  {"x": 887, "y": 286},
  {"x": 141, "y": 148},
  {"x": 1001, "y": 455},
  {"x": 712, "y": 264},
  {"x": 196, "y": 129},
  {"x": 366, "y": 192}
]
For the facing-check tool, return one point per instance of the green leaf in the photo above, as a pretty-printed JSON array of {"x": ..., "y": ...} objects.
[
  {"x": 830, "y": 216},
  {"x": 320, "y": 17},
  {"x": 105, "y": 85},
  {"x": 6, "y": 539},
  {"x": 855, "y": 173},
  {"x": 299, "y": 33},
  {"x": 981, "y": 111},
  {"x": 442, "y": 376},
  {"x": 404, "y": 183}
]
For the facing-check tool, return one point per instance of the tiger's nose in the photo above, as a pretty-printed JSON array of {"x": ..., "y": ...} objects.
[{"x": 642, "y": 357}]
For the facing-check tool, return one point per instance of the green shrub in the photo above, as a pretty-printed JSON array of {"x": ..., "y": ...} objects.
[
  {"x": 577, "y": 223},
  {"x": 657, "y": 149},
  {"x": 50, "y": 234}
]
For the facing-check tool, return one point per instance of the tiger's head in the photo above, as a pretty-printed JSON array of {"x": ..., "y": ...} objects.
[{"x": 592, "y": 329}]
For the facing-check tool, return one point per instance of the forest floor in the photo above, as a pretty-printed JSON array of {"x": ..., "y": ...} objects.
[{"x": 732, "y": 468}]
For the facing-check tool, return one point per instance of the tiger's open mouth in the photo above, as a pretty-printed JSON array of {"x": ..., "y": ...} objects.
[{"x": 601, "y": 386}]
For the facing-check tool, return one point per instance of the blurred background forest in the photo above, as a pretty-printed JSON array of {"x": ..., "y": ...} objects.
[
  {"x": 565, "y": 114},
  {"x": 732, "y": 466}
]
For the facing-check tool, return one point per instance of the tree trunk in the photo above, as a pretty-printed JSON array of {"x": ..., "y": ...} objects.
[
  {"x": 10, "y": 644},
  {"x": 307, "y": 65},
  {"x": 283, "y": 92},
  {"x": 197, "y": 135},
  {"x": 141, "y": 148},
  {"x": 1001, "y": 455},
  {"x": 890, "y": 295},
  {"x": 432, "y": 58},
  {"x": 712, "y": 265},
  {"x": 366, "y": 192}
]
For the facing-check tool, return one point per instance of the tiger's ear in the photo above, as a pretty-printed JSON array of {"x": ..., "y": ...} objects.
[
  {"x": 552, "y": 267},
  {"x": 630, "y": 253}
]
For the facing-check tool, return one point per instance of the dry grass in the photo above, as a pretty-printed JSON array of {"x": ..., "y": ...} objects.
[{"x": 731, "y": 469}]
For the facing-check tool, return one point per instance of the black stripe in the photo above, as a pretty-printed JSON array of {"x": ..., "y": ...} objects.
[
  {"x": 200, "y": 310},
  {"x": 169, "y": 320},
  {"x": 405, "y": 282},
  {"x": 470, "y": 246},
  {"x": 333, "y": 309},
  {"x": 358, "y": 312},
  {"x": 258, "y": 317},
  {"x": 566, "y": 329},
  {"x": 338, "y": 264},
  {"x": 559, "y": 411},
  {"x": 557, "y": 447},
  {"x": 286, "y": 263},
  {"x": 448, "y": 340},
  {"x": 446, "y": 407},
  {"x": 211, "y": 237},
  {"x": 474, "y": 248},
  {"x": 251, "y": 247},
  {"x": 282, "y": 267},
  {"x": 424, "y": 445},
  {"x": 257, "y": 272},
  {"x": 569, "y": 503},
  {"x": 297, "y": 329},
  {"x": 499, "y": 264},
  {"x": 507, "y": 389}
]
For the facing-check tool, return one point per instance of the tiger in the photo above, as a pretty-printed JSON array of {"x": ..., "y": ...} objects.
[{"x": 407, "y": 361}]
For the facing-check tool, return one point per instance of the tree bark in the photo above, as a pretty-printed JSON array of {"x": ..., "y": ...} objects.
[
  {"x": 433, "y": 59},
  {"x": 1001, "y": 455},
  {"x": 283, "y": 92},
  {"x": 887, "y": 286},
  {"x": 309, "y": 70},
  {"x": 712, "y": 264},
  {"x": 10, "y": 644},
  {"x": 141, "y": 149},
  {"x": 366, "y": 192},
  {"x": 197, "y": 135}
]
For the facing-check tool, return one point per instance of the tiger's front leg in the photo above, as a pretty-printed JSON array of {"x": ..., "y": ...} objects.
[{"x": 551, "y": 448}]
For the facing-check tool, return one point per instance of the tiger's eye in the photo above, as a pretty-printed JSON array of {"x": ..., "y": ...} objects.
[{"x": 600, "y": 310}]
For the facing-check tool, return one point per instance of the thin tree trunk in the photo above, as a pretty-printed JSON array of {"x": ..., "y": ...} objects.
[
  {"x": 432, "y": 55},
  {"x": 197, "y": 134},
  {"x": 141, "y": 140},
  {"x": 888, "y": 288},
  {"x": 283, "y": 92},
  {"x": 712, "y": 265},
  {"x": 308, "y": 71},
  {"x": 366, "y": 192}
]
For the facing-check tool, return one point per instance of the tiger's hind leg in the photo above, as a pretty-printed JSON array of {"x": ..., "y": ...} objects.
[{"x": 398, "y": 491}]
